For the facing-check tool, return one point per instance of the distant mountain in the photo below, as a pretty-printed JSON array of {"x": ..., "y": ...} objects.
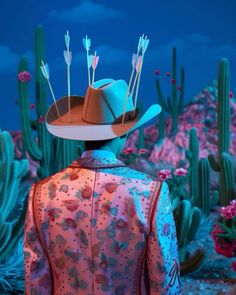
[{"x": 200, "y": 113}]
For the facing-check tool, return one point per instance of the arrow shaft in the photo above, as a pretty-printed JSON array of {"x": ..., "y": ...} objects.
[{"x": 53, "y": 96}]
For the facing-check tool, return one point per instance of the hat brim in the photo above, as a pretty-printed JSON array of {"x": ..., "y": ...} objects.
[{"x": 78, "y": 129}]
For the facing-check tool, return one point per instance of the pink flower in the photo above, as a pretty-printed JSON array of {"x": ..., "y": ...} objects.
[
  {"x": 231, "y": 95},
  {"x": 181, "y": 172},
  {"x": 229, "y": 211},
  {"x": 41, "y": 119},
  {"x": 32, "y": 106},
  {"x": 157, "y": 72},
  {"x": 179, "y": 87},
  {"x": 164, "y": 174},
  {"x": 168, "y": 74},
  {"x": 24, "y": 76},
  {"x": 127, "y": 151},
  {"x": 233, "y": 265},
  {"x": 172, "y": 81},
  {"x": 143, "y": 151}
]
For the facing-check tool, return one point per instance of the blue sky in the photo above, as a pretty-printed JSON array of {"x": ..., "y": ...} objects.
[{"x": 202, "y": 31}]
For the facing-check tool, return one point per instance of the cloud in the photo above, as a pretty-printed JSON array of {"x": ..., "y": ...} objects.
[
  {"x": 88, "y": 13},
  {"x": 9, "y": 59},
  {"x": 191, "y": 51}
]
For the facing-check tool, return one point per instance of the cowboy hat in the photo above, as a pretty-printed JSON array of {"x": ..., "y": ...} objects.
[{"x": 98, "y": 116}]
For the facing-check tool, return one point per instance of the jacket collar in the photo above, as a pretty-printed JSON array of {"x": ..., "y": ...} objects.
[{"x": 97, "y": 159}]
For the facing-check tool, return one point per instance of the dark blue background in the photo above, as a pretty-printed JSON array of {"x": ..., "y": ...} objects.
[{"x": 202, "y": 31}]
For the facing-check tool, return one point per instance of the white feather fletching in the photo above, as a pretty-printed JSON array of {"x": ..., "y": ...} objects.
[
  {"x": 68, "y": 57},
  {"x": 95, "y": 61},
  {"x": 67, "y": 39},
  {"x": 45, "y": 70},
  {"x": 87, "y": 43}
]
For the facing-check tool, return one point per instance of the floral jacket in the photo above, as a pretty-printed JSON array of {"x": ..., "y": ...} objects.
[{"x": 99, "y": 227}]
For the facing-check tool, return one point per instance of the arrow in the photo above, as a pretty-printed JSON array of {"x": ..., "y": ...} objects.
[
  {"x": 68, "y": 58},
  {"x": 87, "y": 45},
  {"x": 134, "y": 62},
  {"x": 46, "y": 74},
  {"x": 94, "y": 64}
]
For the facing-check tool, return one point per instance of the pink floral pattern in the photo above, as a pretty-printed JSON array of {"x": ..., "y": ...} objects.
[{"x": 90, "y": 228}]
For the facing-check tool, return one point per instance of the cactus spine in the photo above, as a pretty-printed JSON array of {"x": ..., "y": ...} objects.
[
  {"x": 192, "y": 156},
  {"x": 175, "y": 105},
  {"x": 52, "y": 153},
  {"x": 223, "y": 164}
]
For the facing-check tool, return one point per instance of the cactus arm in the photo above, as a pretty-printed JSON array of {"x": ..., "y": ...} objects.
[
  {"x": 195, "y": 222},
  {"x": 193, "y": 164},
  {"x": 161, "y": 99},
  {"x": 28, "y": 139},
  {"x": 213, "y": 163},
  {"x": 204, "y": 185},
  {"x": 227, "y": 181},
  {"x": 188, "y": 154},
  {"x": 223, "y": 106},
  {"x": 183, "y": 222},
  {"x": 181, "y": 94}
]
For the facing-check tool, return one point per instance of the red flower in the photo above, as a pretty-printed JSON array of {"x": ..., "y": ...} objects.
[
  {"x": 233, "y": 265},
  {"x": 87, "y": 192},
  {"x": 143, "y": 151},
  {"x": 164, "y": 174},
  {"x": 70, "y": 222},
  {"x": 71, "y": 205},
  {"x": 41, "y": 119},
  {"x": 168, "y": 74},
  {"x": 74, "y": 176},
  {"x": 110, "y": 187},
  {"x": 179, "y": 87},
  {"x": 24, "y": 77},
  {"x": 157, "y": 72},
  {"x": 127, "y": 151},
  {"x": 51, "y": 214},
  {"x": 181, "y": 172},
  {"x": 106, "y": 208},
  {"x": 32, "y": 106},
  {"x": 231, "y": 95},
  {"x": 102, "y": 279},
  {"x": 121, "y": 224},
  {"x": 172, "y": 81}
]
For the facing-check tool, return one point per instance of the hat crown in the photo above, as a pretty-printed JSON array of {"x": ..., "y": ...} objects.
[{"x": 104, "y": 101}]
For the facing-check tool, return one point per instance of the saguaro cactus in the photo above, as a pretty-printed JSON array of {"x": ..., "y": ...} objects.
[
  {"x": 187, "y": 220},
  {"x": 47, "y": 147},
  {"x": 223, "y": 163},
  {"x": 175, "y": 105},
  {"x": 12, "y": 215},
  {"x": 192, "y": 156}
]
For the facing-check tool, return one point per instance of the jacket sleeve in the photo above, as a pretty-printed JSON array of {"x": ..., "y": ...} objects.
[
  {"x": 38, "y": 279},
  {"x": 162, "y": 250}
]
